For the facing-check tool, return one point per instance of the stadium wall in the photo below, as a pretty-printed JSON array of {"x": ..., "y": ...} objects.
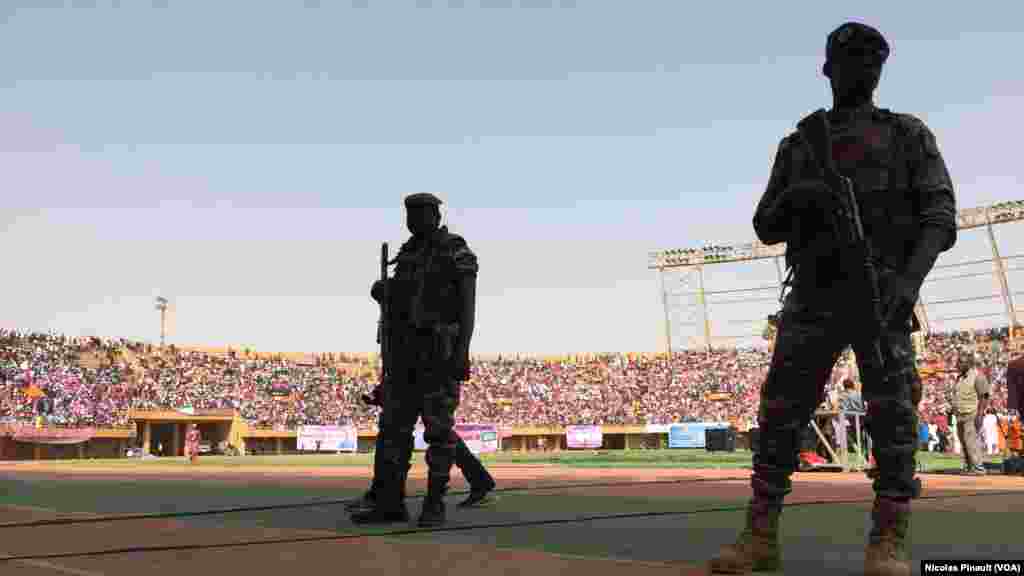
[
  {"x": 513, "y": 439},
  {"x": 97, "y": 447},
  {"x": 113, "y": 443}
]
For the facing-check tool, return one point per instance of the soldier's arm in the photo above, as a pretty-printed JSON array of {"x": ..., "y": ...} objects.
[
  {"x": 466, "y": 269},
  {"x": 772, "y": 221},
  {"x": 467, "y": 316},
  {"x": 931, "y": 184}
]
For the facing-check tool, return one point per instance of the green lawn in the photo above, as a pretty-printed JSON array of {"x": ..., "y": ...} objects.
[{"x": 573, "y": 459}]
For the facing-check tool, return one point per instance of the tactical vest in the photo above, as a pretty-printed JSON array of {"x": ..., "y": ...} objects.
[
  {"x": 873, "y": 150},
  {"x": 425, "y": 283}
]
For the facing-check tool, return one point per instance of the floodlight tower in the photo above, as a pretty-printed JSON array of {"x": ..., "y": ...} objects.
[{"x": 161, "y": 305}]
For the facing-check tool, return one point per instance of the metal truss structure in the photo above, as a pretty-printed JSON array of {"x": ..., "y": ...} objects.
[{"x": 947, "y": 298}]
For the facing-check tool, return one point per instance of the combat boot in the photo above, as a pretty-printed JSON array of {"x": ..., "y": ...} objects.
[
  {"x": 433, "y": 514},
  {"x": 365, "y": 502},
  {"x": 369, "y": 500},
  {"x": 757, "y": 548},
  {"x": 479, "y": 499},
  {"x": 387, "y": 506},
  {"x": 439, "y": 463},
  {"x": 884, "y": 555},
  {"x": 381, "y": 515}
]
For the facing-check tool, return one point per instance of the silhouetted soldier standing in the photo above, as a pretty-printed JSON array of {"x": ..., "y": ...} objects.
[
  {"x": 432, "y": 302},
  {"x": 907, "y": 207}
]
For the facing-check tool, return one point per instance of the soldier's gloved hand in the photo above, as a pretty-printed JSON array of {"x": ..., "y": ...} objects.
[
  {"x": 377, "y": 291},
  {"x": 898, "y": 301},
  {"x": 375, "y": 397}
]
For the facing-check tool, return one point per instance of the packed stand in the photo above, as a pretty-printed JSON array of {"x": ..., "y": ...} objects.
[
  {"x": 275, "y": 392},
  {"x": 35, "y": 367}
]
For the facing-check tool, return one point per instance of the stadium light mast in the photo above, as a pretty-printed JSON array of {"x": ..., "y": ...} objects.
[
  {"x": 668, "y": 320},
  {"x": 161, "y": 305},
  {"x": 696, "y": 259},
  {"x": 704, "y": 305},
  {"x": 1000, "y": 273}
]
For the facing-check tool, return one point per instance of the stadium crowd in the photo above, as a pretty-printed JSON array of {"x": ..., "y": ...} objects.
[{"x": 692, "y": 386}]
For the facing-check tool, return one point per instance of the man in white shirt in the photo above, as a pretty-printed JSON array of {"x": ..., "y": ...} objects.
[{"x": 990, "y": 425}]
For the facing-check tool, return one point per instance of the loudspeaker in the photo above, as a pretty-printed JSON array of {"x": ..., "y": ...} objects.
[
  {"x": 755, "y": 439},
  {"x": 1013, "y": 466},
  {"x": 720, "y": 440}
]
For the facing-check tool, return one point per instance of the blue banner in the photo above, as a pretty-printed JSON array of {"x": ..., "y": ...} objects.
[{"x": 691, "y": 435}]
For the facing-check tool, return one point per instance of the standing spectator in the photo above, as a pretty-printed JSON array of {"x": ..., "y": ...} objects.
[
  {"x": 192, "y": 443},
  {"x": 990, "y": 426},
  {"x": 924, "y": 435},
  {"x": 971, "y": 402},
  {"x": 44, "y": 409},
  {"x": 850, "y": 400}
]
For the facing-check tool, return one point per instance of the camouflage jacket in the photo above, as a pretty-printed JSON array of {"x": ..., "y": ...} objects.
[
  {"x": 426, "y": 282},
  {"x": 900, "y": 181}
]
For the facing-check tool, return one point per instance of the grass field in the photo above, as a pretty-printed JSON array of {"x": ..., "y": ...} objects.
[{"x": 928, "y": 461}]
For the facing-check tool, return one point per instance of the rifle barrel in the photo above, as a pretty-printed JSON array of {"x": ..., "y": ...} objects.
[{"x": 384, "y": 328}]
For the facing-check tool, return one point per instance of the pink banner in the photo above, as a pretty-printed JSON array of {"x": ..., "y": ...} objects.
[
  {"x": 583, "y": 437},
  {"x": 479, "y": 438},
  {"x": 31, "y": 434}
]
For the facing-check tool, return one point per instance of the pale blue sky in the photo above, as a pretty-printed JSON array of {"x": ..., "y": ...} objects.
[{"x": 247, "y": 158}]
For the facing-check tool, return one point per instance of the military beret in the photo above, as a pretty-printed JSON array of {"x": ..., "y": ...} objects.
[
  {"x": 859, "y": 36},
  {"x": 422, "y": 199}
]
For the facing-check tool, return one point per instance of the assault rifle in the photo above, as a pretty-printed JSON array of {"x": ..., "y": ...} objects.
[
  {"x": 848, "y": 231},
  {"x": 384, "y": 325},
  {"x": 847, "y": 226},
  {"x": 383, "y": 330}
]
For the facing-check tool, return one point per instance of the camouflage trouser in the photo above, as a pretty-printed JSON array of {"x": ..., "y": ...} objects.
[
  {"x": 416, "y": 391},
  {"x": 812, "y": 334},
  {"x": 471, "y": 467},
  {"x": 380, "y": 465}
]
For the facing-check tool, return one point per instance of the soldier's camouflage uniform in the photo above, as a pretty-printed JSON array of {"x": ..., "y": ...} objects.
[
  {"x": 479, "y": 479},
  {"x": 901, "y": 184},
  {"x": 424, "y": 304}
]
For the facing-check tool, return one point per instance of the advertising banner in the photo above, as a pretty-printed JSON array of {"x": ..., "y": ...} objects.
[
  {"x": 691, "y": 435},
  {"x": 657, "y": 428},
  {"x": 583, "y": 437},
  {"x": 331, "y": 438},
  {"x": 33, "y": 435},
  {"x": 479, "y": 438}
]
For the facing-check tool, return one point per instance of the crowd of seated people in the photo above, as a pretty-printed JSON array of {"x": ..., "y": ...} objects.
[{"x": 277, "y": 392}]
